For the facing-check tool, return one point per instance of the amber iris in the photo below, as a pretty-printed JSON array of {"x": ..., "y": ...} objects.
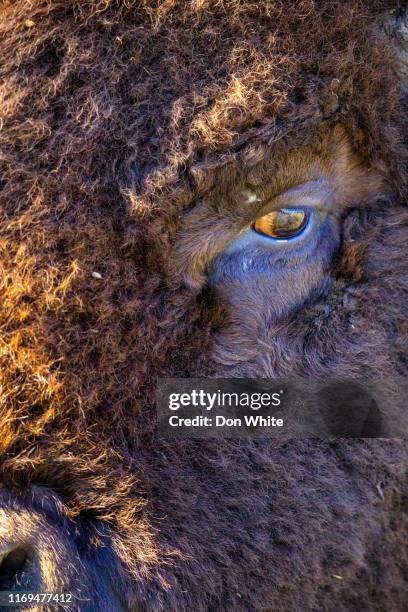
[{"x": 283, "y": 223}]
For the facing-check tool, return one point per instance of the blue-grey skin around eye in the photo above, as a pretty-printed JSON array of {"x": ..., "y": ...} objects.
[{"x": 278, "y": 276}]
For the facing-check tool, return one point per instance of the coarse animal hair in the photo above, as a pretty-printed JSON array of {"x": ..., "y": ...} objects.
[{"x": 117, "y": 117}]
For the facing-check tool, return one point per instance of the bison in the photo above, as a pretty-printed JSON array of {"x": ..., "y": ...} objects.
[{"x": 152, "y": 155}]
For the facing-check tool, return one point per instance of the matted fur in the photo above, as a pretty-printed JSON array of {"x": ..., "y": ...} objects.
[{"x": 116, "y": 117}]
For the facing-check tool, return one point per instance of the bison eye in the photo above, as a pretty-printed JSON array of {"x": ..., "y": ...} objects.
[{"x": 282, "y": 224}]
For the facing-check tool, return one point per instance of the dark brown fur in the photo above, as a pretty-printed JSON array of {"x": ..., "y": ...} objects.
[{"x": 119, "y": 119}]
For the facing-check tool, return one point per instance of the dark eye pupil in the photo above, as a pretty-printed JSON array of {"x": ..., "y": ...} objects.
[{"x": 283, "y": 223}]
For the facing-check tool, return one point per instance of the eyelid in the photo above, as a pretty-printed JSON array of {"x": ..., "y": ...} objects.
[{"x": 314, "y": 194}]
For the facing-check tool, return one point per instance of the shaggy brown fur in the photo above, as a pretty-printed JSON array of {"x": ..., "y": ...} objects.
[{"x": 117, "y": 119}]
